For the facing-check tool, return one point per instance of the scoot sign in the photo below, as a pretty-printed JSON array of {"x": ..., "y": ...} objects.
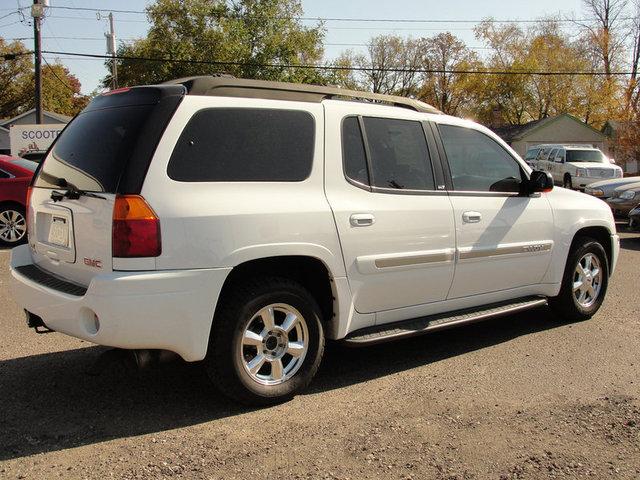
[{"x": 33, "y": 138}]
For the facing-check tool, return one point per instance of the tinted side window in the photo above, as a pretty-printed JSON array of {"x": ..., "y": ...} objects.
[
  {"x": 4, "y": 174},
  {"x": 353, "y": 153},
  {"x": 244, "y": 145},
  {"x": 399, "y": 154},
  {"x": 478, "y": 163}
]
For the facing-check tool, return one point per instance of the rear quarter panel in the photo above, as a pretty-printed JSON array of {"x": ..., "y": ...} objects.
[{"x": 223, "y": 224}]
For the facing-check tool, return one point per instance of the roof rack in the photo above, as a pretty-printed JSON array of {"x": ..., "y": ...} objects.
[{"x": 229, "y": 86}]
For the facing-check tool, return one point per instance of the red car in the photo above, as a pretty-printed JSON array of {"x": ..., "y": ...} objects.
[{"x": 15, "y": 177}]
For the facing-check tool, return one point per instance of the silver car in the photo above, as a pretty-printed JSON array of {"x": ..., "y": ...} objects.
[{"x": 605, "y": 188}]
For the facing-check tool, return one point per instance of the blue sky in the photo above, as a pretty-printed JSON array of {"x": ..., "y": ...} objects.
[{"x": 88, "y": 29}]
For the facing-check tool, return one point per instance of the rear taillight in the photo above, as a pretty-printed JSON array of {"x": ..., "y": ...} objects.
[
  {"x": 27, "y": 208},
  {"x": 136, "y": 228}
]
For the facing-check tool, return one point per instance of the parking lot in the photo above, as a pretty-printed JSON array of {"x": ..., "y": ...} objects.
[{"x": 525, "y": 396}]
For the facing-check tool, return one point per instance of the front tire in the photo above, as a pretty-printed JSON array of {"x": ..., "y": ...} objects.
[
  {"x": 266, "y": 342},
  {"x": 584, "y": 283},
  {"x": 566, "y": 182}
]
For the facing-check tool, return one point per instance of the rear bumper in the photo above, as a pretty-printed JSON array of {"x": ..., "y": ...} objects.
[{"x": 170, "y": 310}]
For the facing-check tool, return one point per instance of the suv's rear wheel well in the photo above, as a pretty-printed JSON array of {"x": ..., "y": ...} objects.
[
  {"x": 601, "y": 234},
  {"x": 310, "y": 272}
]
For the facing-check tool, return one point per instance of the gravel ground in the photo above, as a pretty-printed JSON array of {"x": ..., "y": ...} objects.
[{"x": 521, "y": 397}]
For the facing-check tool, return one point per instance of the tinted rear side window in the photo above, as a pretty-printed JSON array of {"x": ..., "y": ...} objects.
[
  {"x": 399, "y": 154},
  {"x": 244, "y": 145},
  {"x": 353, "y": 153},
  {"x": 93, "y": 150}
]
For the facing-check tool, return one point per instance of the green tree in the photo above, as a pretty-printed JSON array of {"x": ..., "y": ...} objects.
[
  {"x": 245, "y": 35},
  {"x": 60, "y": 89},
  {"x": 16, "y": 78}
]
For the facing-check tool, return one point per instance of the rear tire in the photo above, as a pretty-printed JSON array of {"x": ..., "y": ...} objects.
[
  {"x": 566, "y": 182},
  {"x": 13, "y": 225},
  {"x": 266, "y": 342},
  {"x": 585, "y": 281}
]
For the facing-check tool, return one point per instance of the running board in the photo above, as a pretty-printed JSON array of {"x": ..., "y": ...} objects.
[{"x": 422, "y": 325}]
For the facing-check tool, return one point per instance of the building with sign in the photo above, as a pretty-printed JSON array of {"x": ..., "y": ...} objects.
[{"x": 40, "y": 136}]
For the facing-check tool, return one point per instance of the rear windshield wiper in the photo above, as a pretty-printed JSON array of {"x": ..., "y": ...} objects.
[{"x": 72, "y": 193}]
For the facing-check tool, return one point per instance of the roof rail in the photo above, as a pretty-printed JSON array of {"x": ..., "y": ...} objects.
[{"x": 229, "y": 86}]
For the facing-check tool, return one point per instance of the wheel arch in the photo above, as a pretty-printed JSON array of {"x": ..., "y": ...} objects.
[
  {"x": 12, "y": 203},
  {"x": 311, "y": 272},
  {"x": 599, "y": 233}
]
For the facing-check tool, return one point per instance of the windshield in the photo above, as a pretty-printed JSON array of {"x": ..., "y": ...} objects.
[
  {"x": 94, "y": 149},
  {"x": 26, "y": 164},
  {"x": 590, "y": 156}
]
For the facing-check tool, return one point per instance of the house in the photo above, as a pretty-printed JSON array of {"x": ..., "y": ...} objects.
[
  {"x": 563, "y": 128},
  {"x": 26, "y": 118}
]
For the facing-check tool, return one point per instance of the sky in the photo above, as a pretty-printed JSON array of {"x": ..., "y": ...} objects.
[{"x": 82, "y": 31}]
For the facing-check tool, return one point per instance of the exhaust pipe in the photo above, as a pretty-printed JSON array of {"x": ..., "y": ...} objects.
[
  {"x": 145, "y": 359},
  {"x": 136, "y": 360}
]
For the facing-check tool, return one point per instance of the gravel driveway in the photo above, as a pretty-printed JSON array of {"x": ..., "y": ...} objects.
[{"x": 521, "y": 397}]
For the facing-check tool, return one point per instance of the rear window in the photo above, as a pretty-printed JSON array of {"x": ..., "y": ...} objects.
[
  {"x": 94, "y": 149},
  {"x": 244, "y": 145}
]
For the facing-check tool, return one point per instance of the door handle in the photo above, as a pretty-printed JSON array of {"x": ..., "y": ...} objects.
[
  {"x": 471, "y": 217},
  {"x": 362, "y": 219}
]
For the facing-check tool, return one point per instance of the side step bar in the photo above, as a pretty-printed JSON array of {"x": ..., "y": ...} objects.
[{"x": 422, "y": 325}]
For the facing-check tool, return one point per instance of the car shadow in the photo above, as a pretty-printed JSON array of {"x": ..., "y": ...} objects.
[
  {"x": 630, "y": 243},
  {"x": 49, "y": 402}
]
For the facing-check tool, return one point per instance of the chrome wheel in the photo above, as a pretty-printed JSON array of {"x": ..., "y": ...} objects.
[
  {"x": 13, "y": 226},
  {"x": 274, "y": 344},
  {"x": 587, "y": 280}
]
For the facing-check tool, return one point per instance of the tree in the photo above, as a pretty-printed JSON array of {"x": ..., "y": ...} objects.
[
  {"x": 250, "y": 39},
  {"x": 448, "y": 91},
  {"x": 16, "y": 79},
  {"x": 60, "y": 89},
  {"x": 604, "y": 32}
]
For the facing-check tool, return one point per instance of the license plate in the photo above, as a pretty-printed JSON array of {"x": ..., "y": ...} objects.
[{"x": 59, "y": 232}]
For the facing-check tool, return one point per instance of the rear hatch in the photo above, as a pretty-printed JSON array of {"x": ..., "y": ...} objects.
[{"x": 105, "y": 151}]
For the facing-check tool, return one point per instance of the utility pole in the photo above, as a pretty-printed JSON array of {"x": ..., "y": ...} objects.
[
  {"x": 111, "y": 50},
  {"x": 37, "y": 12}
]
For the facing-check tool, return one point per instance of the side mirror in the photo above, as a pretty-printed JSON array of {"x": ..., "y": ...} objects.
[{"x": 538, "y": 182}]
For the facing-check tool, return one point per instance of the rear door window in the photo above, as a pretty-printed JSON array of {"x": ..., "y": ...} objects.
[{"x": 244, "y": 145}]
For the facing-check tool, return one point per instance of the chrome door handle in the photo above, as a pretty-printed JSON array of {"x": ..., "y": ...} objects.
[
  {"x": 471, "y": 217},
  {"x": 362, "y": 219}
]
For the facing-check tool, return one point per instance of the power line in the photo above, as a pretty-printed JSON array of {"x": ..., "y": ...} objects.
[
  {"x": 56, "y": 75},
  {"x": 367, "y": 19},
  {"x": 101, "y": 39},
  {"x": 340, "y": 68}
]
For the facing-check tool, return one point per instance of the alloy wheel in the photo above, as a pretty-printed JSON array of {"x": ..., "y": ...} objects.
[
  {"x": 587, "y": 280},
  {"x": 13, "y": 226},
  {"x": 274, "y": 344}
]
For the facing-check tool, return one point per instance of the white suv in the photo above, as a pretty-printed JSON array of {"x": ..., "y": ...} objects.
[
  {"x": 574, "y": 166},
  {"x": 243, "y": 223}
]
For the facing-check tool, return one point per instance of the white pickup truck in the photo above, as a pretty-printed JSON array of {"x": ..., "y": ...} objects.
[{"x": 244, "y": 223}]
